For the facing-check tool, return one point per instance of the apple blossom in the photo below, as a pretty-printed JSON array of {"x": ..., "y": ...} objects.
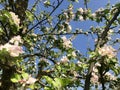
[
  {"x": 66, "y": 42},
  {"x": 110, "y": 76},
  {"x": 80, "y": 10},
  {"x": 15, "y": 18},
  {"x": 29, "y": 80},
  {"x": 95, "y": 79},
  {"x": 64, "y": 59},
  {"x": 74, "y": 54},
  {"x": 14, "y": 50},
  {"x": 16, "y": 40},
  {"x": 107, "y": 50}
]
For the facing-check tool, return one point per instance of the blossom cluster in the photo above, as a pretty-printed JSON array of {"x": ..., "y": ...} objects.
[
  {"x": 29, "y": 80},
  {"x": 15, "y": 18},
  {"x": 66, "y": 42},
  {"x": 81, "y": 13},
  {"x": 95, "y": 76},
  {"x": 14, "y": 49},
  {"x": 109, "y": 76},
  {"x": 107, "y": 50},
  {"x": 69, "y": 14},
  {"x": 64, "y": 59}
]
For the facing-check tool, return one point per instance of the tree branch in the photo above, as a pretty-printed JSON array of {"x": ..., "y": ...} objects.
[
  {"x": 100, "y": 43},
  {"x": 44, "y": 18}
]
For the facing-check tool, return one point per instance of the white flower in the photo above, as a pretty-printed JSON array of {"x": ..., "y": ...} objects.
[
  {"x": 64, "y": 59},
  {"x": 14, "y": 50},
  {"x": 16, "y": 40},
  {"x": 1, "y": 47},
  {"x": 65, "y": 15},
  {"x": 31, "y": 80},
  {"x": 79, "y": 63},
  {"x": 80, "y": 10},
  {"x": 66, "y": 42},
  {"x": 73, "y": 54},
  {"x": 95, "y": 69},
  {"x": 15, "y": 18},
  {"x": 33, "y": 34},
  {"x": 81, "y": 18},
  {"x": 95, "y": 78},
  {"x": 110, "y": 76},
  {"x": 69, "y": 28},
  {"x": 100, "y": 10},
  {"x": 107, "y": 50},
  {"x": 94, "y": 15},
  {"x": 97, "y": 64},
  {"x": 110, "y": 32}
]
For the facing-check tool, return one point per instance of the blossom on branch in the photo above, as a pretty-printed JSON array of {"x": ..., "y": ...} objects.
[
  {"x": 15, "y": 18},
  {"x": 29, "y": 80},
  {"x": 14, "y": 49},
  {"x": 107, "y": 50},
  {"x": 110, "y": 76},
  {"x": 95, "y": 79},
  {"x": 16, "y": 40},
  {"x": 64, "y": 59},
  {"x": 66, "y": 42}
]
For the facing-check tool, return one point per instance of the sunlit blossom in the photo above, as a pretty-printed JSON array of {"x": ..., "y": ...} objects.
[
  {"x": 81, "y": 18},
  {"x": 29, "y": 80},
  {"x": 66, "y": 42},
  {"x": 69, "y": 28},
  {"x": 110, "y": 76},
  {"x": 15, "y": 18},
  {"x": 14, "y": 50},
  {"x": 16, "y": 40},
  {"x": 64, "y": 59},
  {"x": 95, "y": 79},
  {"x": 74, "y": 54},
  {"x": 80, "y": 10},
  {"x": 107, "y": 50},
  {"x": 94, "y": 15}
]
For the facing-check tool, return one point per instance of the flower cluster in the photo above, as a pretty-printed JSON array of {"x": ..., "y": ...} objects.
[
  {"x": 16, "y": 40},
  {"x": 64, "y": 59},
  {"x": 67, "y": 26},
  {"x": 110, "y": 76},
  {"x": 107, "y": 50},
  {"x": 15, "y": 50},
  {"x": 95, "y": 78},
  {"x": 68, "y": 14},
  {"x": 64, "y": 27},
  {"x": 81, "y": 13},
  {"x": 15, "y": 18},
  {"x": 66, "y": 42},
  {"x": 29, "y": 80}
]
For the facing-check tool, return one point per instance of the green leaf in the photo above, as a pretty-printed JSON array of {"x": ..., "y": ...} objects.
[
  {"x": 47, "y": 88},
  {"x": 48, "y": 79},
  {"x": 30, "y": 16},
  {"x": 25, "y": 75},
  {"x": 58, "y": 83},
  {"x": 15, "y": 78}
]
